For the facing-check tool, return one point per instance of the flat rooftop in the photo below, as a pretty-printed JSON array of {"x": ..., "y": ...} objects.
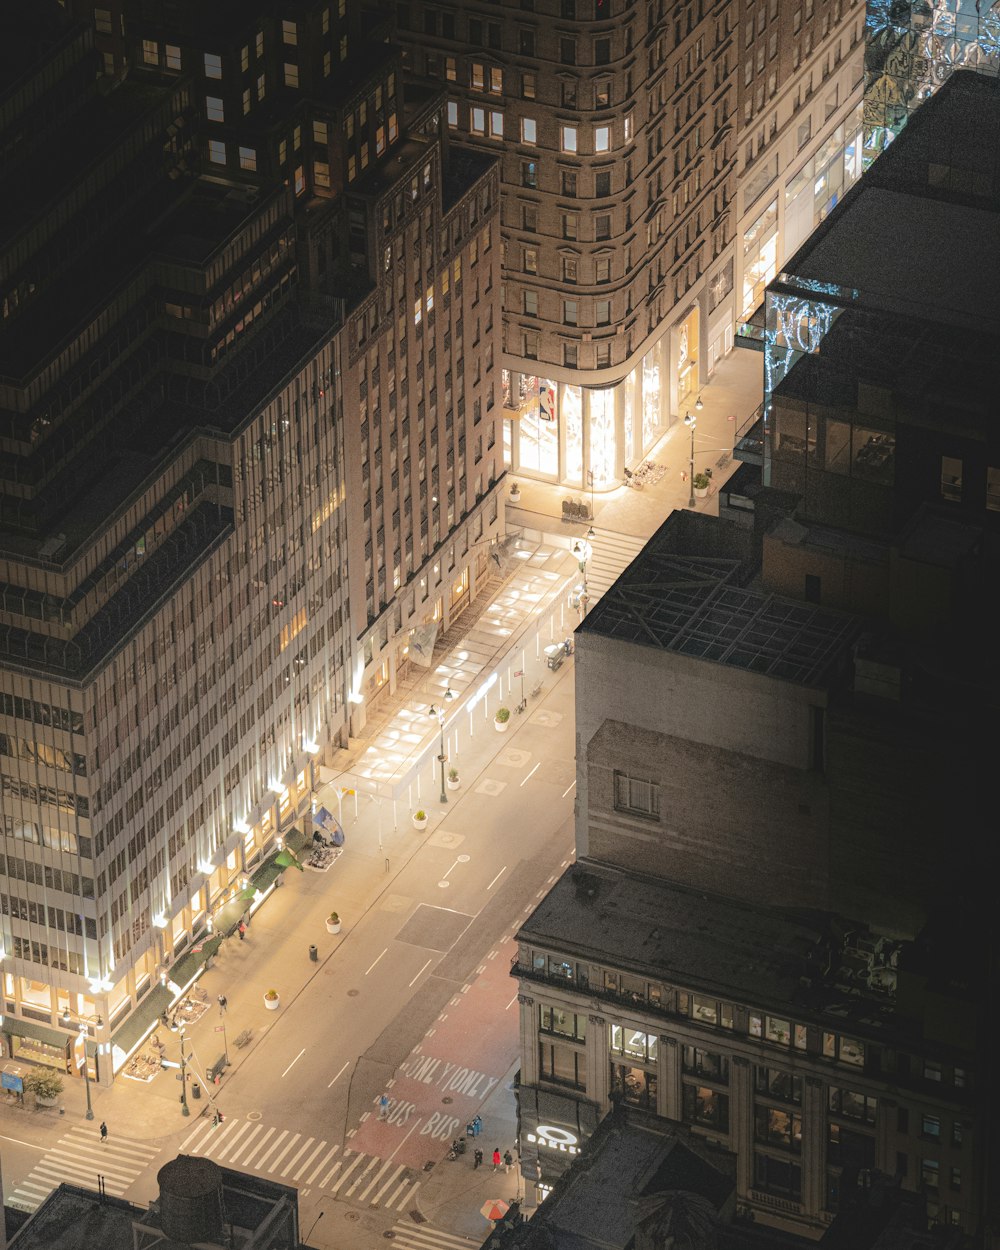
[{"x": 696, "y": 606}]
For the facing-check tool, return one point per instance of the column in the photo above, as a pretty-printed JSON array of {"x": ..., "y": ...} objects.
[
  {"x": 668, "y": 1099},
  {"x": 741, "y": 1122},
  {"x": 885, "y": 1136},
  {"x": 813, "y": 1146},
  {"x": 622, "y": 452},
  {"x": 529, "y": 1039},
  {"x": 598, "y": 1074}
]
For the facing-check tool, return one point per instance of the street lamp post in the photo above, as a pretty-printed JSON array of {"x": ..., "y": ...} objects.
[
  {"x": 442, "y": 756},
  {"x": 185, "y": 1109},
  {"x": 67, "y": 1020},
  {"x": 691, "y": 422}
]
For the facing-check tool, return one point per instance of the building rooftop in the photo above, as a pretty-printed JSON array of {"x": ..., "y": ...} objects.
[
  {"x": 807, "y": 964},
  {"x": 698, "y": 605}
]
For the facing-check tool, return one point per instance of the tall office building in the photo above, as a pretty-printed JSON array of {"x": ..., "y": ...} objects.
[
  {"x": 779, "y": 929},
  {"x": 236, "y": 282},
  {"x": 654, "y": 159}
]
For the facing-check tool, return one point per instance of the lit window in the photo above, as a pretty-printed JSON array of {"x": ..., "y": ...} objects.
[
  {"x": 173, "y": 56},
  {"x": 477, "y": 77},
  {"x": 453, "y": 114},
  {"x": 289, "y": 32},
  {"x": 567, "y": 138},
  {"x": 291, "y": 74},
  {"x": 477, "y": 122},
  {"x": 102, "y": 21},
  {"x": 150, "y": 52},
  {"x": 247, "y": 101},
  {"x": 429, "y": 299},
  {"x": 300, "y": 181},
  {"x": 418, "y": 312},
  {"x": 602, "y": 139},
  {"x": 450, "y": 71},
  {"x": 248, "y": 158},
  {"x": 496, "y": 124},
  {"x": 529, "y": 130},
  {"x": 628, "y": 127},
  {"x": 214, "y": 110},
  {"x": 261, "y": 85},
  {"x": 245, "y": 58},
  {"x": 213, "y": 65},
  {"x": 217, "y": 151},
  {"x": 321, "y": 173},
  {"x": 496, "y": 81},
  {"x": 320, "y": 134}
]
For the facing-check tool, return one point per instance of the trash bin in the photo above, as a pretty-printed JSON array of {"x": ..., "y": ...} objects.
[
  {"x": 196, "y": 1089},
  {"x": 313, "y": 954}
]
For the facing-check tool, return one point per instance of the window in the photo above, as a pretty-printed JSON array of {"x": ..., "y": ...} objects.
[
  {"x": 777, "y": 1128},
  {"x": 529, "y": 217},
  {"x": 853, "y": 1106},
  {"x": 567, "y": 51},
  {"x": 213, "y": 65},
  {"x": 930, "y": 1126},
  {"x": 291, "y": 74},
  {"x": 707, "y": 1010},
  {"x": 216, "y": 151},
  {"x": 844, "y": 1049},
  {"x": 248, "y": 160},
  {"x": 531, "y": 303},
  {"x": 571, "y": 355},
  {"x": 602, "y": 139},
  {"x": 777, "y": 1177},
  {"x": 932, "y": 1070},
  {"x": 956, "y": 1133},
  {"x": 496, "y": 80},
  {"x": 568, "y": 93},
  {"x": 214, "y": 110},
  {"x": 604, "y": 355},
  {"x": 450, "y": 72},
  {"x": 453, "y": 114},
  {"x": 526, "y": 42},
  {"x": 707, "y": 1064},
  {"x": 477, "y": 76},
  {"x": 627, "y": 128},
  {"x": 562, "y": 1064},
  {"x": 778, "y": 1084},
  {"x": 602, "y": 51},
  {"x": 568, "y": 177},
  {"x": 638, "y": 796},
  {"x": 477, "y": 121},
  {"x": 529, "y": 131},
  {"x": 150, "y": 52},
  {"x": 531, "y": 344},
  {"x": 602, "y": 269},
  {"x": 567, "y": 138},
  {"x": 570, "y": 267},
  {"x": 602, "y": 316},
  {"x": 569, "y": 312},
  {"x": 634, "y": 1086},
  {"x": 930, "y": 1173},
  {"x": 173, "y": 56},
  {"x": 702, "y": 1105},
  {"x": 529, "y": 174},
  {"x": 570, "y": 225},
  {"x": 632, "y": 1043},
  {"x": 602, "y": 226},
  {"x": 602, "y": 184},
  {"x": 528, "y": 86},
  {"x": 102, "y": 21},
  {"x": 602, "y": 94},
  {"x": 562, "y": 1023},
  {"x": 778, "y": 1031},
  {"x": 320, "y": 133},
  {"x": 956, "y": 1178},
  {"x": 496, "y": 124},
  {"x": 530, "y": 260},
  {"x": 951, "y": 479}
]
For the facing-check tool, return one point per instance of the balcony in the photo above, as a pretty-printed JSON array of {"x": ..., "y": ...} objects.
[{"x": 596, "y": 992}]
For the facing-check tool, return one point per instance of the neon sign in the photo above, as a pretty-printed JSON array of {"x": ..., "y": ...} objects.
[{"x": 556, "y": 1139}]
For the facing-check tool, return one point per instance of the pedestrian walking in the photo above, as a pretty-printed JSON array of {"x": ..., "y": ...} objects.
[
  {"x": 104, "y": 1133},
  {"x": 223, "y": 1004},
  {"x": 496, "y": 1158},
  {"x": 478, "y": 1156},
  {"x": 383, "y": 1106},
  {"x": 241, "y": 930},
  {"x": 508, "y": 1159}
]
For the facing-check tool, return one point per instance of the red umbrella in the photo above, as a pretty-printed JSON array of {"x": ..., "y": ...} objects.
[{"x": 495, "y": 1209}]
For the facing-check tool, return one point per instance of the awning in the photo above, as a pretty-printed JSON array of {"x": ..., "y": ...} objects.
[
  {"x": 39, "y": 1032},
  {"x": 188, "y": 964},
  {"x": 141, "y": 1020}
]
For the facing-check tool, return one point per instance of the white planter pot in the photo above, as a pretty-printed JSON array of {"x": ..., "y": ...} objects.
[
  {"x": 272, "y": 1004},
  {"x": 515, "y": 496},
  {"x": 500, "y": 726},
  {"x": 46, "y": 1102},
  {"x": 701, "y": 492},
  {"x": 453, "y": 785},
  {"x": 420, "y": 824},
  {"x": 333, "y": 928}
]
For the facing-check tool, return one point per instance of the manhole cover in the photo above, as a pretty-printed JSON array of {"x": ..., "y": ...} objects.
[
  {"x": 447, "y": 1099},
  {"x": 254, "y": 1115},
  {"x": 389, "y": 1234},
  {"x": 353, "y": 1215},
  {"x": 353, "y": 993}
]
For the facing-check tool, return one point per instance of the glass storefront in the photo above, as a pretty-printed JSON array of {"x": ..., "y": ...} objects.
[
  {"x": 572, "y": 410},
  {"x": 602, "y": 437},
  {"x": 812, "y": 193},
  {"x": 538, "y": 427},
  {"x": 760, "y": 257},
  {"x": 687, "y": 359}
]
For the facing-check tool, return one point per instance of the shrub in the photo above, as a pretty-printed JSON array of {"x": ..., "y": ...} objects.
[
  {"x": 502, "y": 715},
  {"x": 44, "y": 1084},
  {"x": 701, "y": 481},
  {"x": 420, "y": 814},
  {"x": 334, "y": 918},
  {"x": 452, "y": 774},
  {"x": 271, "y": 995}
]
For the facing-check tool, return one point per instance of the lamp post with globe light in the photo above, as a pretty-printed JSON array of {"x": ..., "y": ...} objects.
[
  {"x": 68, "y": 1020},
  {"x": 442, "y": 756}
]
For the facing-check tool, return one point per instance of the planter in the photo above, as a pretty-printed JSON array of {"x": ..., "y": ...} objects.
[
  {"x": 272, "y": 1004},
  {"x": 40, "y": 1101},
  {"x": 333, "y": 926},
  {"x": 500, "y": 725},
  {"x": 453, "y": 785},
  {"x": 701, "y": 492},
  {"x": 515, "y": 496},
  {"x": 419, "y": 824}
]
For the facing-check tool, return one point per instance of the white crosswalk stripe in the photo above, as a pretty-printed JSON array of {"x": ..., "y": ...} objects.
[
  {"x": 423, "y": 1237},
  {"x": 299, "y": 1160},
  {"x": 78, "y": 1158}
]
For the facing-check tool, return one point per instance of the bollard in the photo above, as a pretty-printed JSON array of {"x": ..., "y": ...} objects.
[{"x": 313, "y": 954}]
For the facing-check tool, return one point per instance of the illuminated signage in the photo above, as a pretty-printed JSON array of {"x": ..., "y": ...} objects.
[{"x": 556, "y": 1139}]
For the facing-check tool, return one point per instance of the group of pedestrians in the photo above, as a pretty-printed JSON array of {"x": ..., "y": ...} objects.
[{"x": 506, "y": 1160}]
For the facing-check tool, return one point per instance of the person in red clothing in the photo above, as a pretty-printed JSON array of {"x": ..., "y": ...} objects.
[{"x": 496, "y": 1158}]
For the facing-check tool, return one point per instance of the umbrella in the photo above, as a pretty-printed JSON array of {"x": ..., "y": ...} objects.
[{"x": 495, "y": 1209}]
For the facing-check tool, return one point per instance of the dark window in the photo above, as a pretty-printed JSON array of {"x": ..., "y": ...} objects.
[
  {"x": 448, "y": 25},
  {"x": 526, "y": 42},
  {"x": 562, "y": 1064},
  {"x": 567, "y": 51},
  {"x": 775, "y": 1176},
  {"x": 430, "y": 22},
  {"x": 636, "y": 795},
  {"x": 812, "y": 591},
  {"x": 475, "y": 32},
  {"x": 602, "y": 51},
  {"x": 602, "y": 183},
  {"x": 567, "y": 10}
]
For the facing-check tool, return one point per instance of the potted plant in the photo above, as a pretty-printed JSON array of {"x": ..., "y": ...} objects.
[
  {"x": 501, "y": 718},
  {"x": 452, "y": 778},
  {"x": 333, "y": 923},
  {"x": 271, "y": 1000},
  {"x": 46, "y": 1086},
  {"x": 420, "y": 819},
  {"x": 515, "y": 493},
  {"x": 700, "y": 484}
]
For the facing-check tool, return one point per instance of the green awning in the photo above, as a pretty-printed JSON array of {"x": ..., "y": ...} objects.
[
  {"x": 39, "y": 1032},
  {"x": 138, "y": 1023},
  {"x": 296, "y": 839},
  {"x": 267, "y": 874},
  {"x": 186, "y": 967}
]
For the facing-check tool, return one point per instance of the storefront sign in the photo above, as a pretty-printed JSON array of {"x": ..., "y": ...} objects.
[
  {"x": 553, "y": 1138},
  {"x": 11, "y": 1081}
]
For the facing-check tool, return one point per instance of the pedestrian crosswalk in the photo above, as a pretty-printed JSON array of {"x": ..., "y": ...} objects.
[
  {"x": 423, "y": 1237},
  {"x": 303, "y": 1161},
  {"x": 79, "y": 1158}
]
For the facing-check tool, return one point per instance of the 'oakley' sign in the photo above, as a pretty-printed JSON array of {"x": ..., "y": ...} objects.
[{"x": 556, "y": 1139}]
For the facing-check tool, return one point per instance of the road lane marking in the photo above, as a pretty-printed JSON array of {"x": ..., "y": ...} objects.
[
  {"x": 511, "y": 1003},
  {"x": 564, "y": 793},
  {"x": 271, "y": 1149},
  {"x": 403, "y": 1142},
  {"x": 294, "y": 1062},
  {"x": 497, "y": 877},
  {"x": 297, "y": 1156},
  {"x": 291, "y": 1146},
  {"x": 421, "y": 972},
  {"x": 309, "y": 1162},
  {"x": 339, "y": 1074},
  {"x": 267, "y": 1133},
  {"x": 376, "y": 961},
  {"x": 532, "y": 773},
  {"x": 329, "y": 1156},
  {"x": 17, "y": 1141},
  {"x": 233, "y": 1141}
]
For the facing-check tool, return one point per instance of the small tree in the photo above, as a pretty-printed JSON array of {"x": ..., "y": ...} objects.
[{"x": 44, "y": 1084}]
